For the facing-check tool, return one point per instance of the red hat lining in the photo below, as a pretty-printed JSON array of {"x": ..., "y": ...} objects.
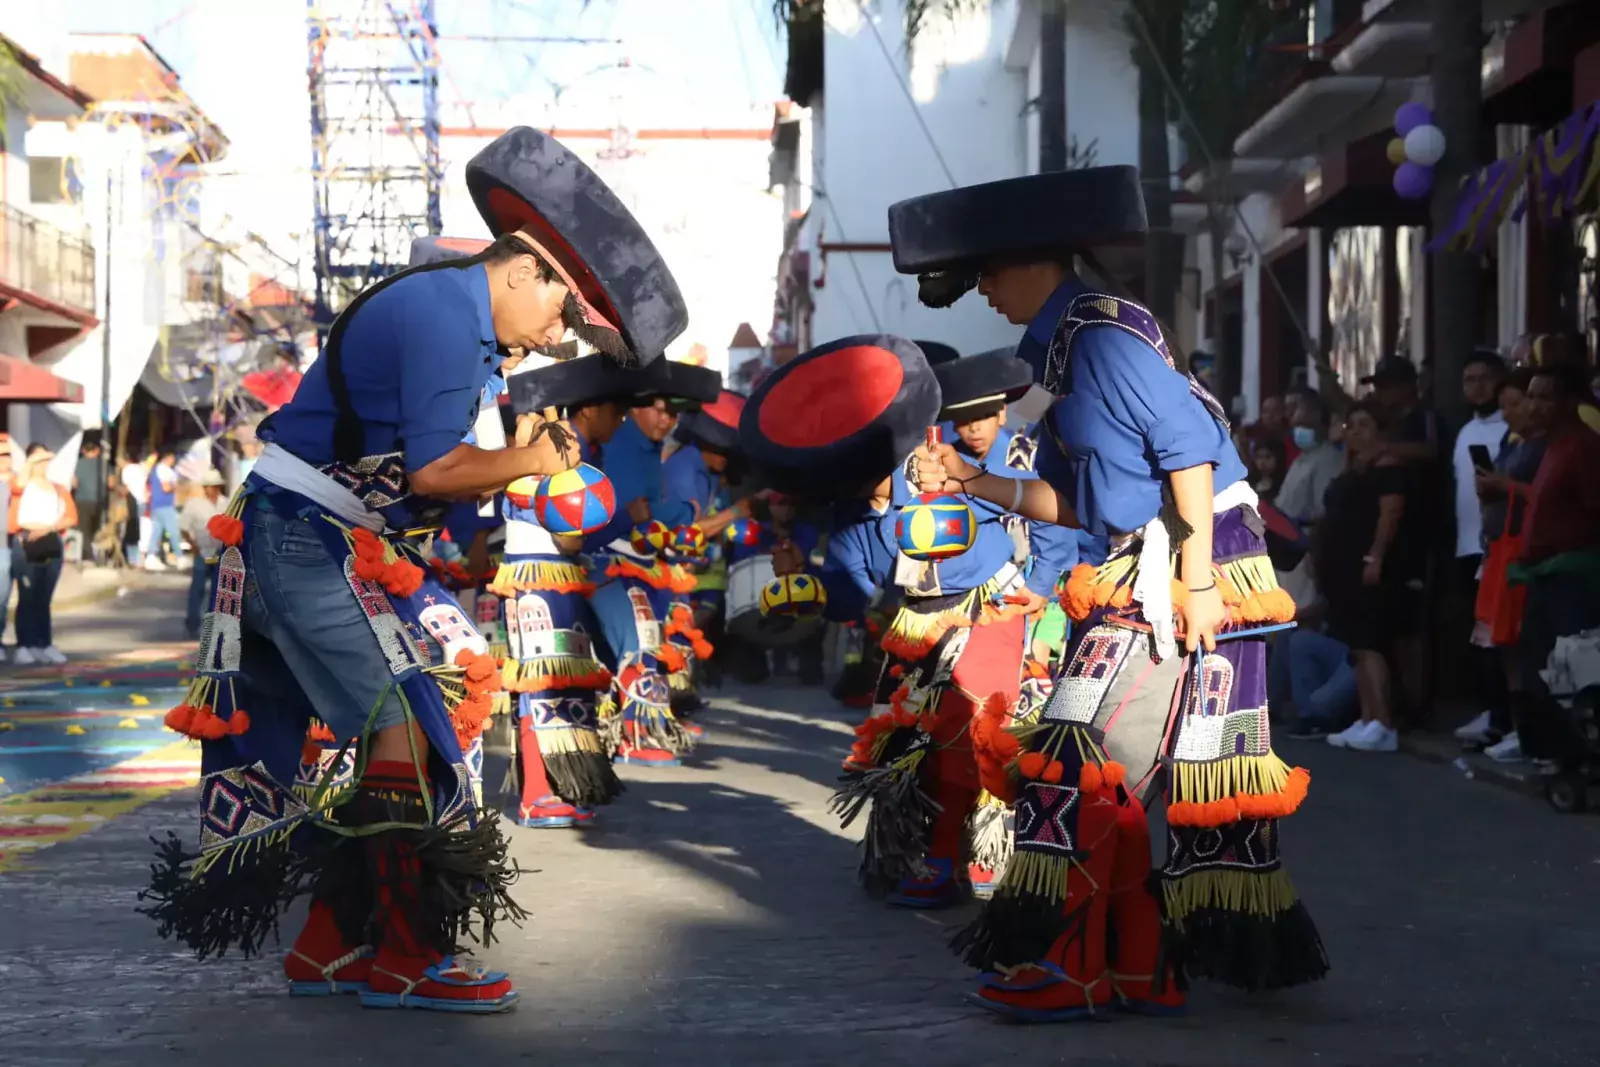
[{"x": 831, "y": 397}]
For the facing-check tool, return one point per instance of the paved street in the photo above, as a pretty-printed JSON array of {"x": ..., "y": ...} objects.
[{"x": 711, "y": 918}]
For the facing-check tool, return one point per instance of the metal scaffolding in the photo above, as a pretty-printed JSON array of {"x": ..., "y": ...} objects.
[{"x": 374, "y": 85}]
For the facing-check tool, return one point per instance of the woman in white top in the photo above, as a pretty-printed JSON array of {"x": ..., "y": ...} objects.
[{"x": 41, "y": 511}]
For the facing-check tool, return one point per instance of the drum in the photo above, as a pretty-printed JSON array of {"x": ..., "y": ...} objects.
[{"x": 744, "y": 619}]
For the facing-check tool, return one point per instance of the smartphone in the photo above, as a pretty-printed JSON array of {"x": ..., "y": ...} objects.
[{"x": 1481, "y": 458}]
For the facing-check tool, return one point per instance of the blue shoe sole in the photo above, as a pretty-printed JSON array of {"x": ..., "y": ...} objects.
[
  {"x": 993, "y": 981},
  {"x": 647, "y": 762},
  {"x": 1030, "y": 1015},
  {"x": 1153, "y": 1011},
  {"x": 460, "y": 1007},
  {"x": 924, "y": 903},
  {"x": 325, "y": 989},
  {"x": 545, "y": 822}
]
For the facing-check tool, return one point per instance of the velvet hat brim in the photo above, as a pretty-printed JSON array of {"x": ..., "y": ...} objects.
[{"x": 836, "y": 420}]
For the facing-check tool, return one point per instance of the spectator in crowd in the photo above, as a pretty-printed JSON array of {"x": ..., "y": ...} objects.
[
  {"x": 1267, "y": 467},
  {"x": 7, "y": 489},
  {"x": 194, "y": 520},
  {"x": 1366, "y": 584},
  {"x": 40, "y": 512},
  {"x": 1561, "y": 544},
  {"x": 1483, "y": 437},
  {"x": 163, "y": 505},
  {"x": 1412, "y": 443},
  {"x": 1315, "y": 676},
  {"x": 1504, "y": 492},
  {"x": 89, "y": 489},
  {"x": 136, "y": 481},
  {"x": 1273, "y": 426},
  {"x": 1318, "y": 464}
]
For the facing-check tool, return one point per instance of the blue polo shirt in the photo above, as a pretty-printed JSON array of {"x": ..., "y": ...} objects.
[
  {"x": 688, "y": 488},
  {"x": 1129, "y": 420},
  {"x": 633, "y": 463},
  {"x": 416, "y": 358},
  {"x": 1036, "y": 339}
]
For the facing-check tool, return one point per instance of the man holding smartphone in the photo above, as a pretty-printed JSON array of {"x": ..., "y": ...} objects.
[{"x": 1477, "y": 445}]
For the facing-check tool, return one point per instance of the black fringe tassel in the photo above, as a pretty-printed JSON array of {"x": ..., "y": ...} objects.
[
  {"x": 1014, "y": 929},
  {"x": 1252, "y": 952},
  {"x": 900, "y": 825},
  {"x": 233, "y": 906},
  {"x": 583, "y": 779}
]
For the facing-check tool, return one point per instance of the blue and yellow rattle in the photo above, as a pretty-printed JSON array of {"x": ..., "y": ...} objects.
[
  {"x": 935, "y": 526},
  {"x": 576, "y": 501}
]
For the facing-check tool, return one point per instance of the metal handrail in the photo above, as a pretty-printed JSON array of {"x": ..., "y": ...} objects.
[{"x": 42, "y": 259}]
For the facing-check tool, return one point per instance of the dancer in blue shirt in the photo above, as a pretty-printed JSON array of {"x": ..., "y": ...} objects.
[{"x": 1137, "y": 452}]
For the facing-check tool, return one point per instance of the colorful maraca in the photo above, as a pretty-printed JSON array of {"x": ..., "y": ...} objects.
[
  {"x": 794, "y": 595},
  {"x": 935, "y": 526},
  {"x": 688, "y": 542},
  {"x": 576, "y": 501},
  {"x": 650, "y": 538},
  {"x": 746, "y": 532}
]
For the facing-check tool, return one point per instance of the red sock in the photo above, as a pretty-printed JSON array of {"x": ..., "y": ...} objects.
[
  {"x": 949, "y": 827},
  {"x": 319, "y": 946},
  {"x": 1136, "y": 916}
]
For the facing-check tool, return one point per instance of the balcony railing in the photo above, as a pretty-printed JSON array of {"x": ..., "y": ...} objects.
[{"x": 38, "y": 258}]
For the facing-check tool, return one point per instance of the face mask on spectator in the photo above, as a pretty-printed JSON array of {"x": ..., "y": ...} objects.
[{"x": 1304, "y": 437}]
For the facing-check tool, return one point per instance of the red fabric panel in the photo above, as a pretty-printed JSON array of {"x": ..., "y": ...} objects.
[{"x": 831, "y": 397}]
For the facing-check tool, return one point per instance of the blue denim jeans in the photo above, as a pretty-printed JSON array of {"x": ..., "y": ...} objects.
[
  {"x": 164, "y": 527},
  {"x": 1321, "y": 678},
  {"x": 202, "y": 582},
  {"x": 36, "y": 587},
  {"x": 306, "y": 644}
]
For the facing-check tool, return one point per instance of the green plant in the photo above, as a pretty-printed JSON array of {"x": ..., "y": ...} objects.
[{"x": 13, "y": 80}]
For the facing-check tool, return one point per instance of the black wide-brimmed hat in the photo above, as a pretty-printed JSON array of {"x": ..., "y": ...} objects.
[
  {"x": 716, "y": 425},
  {"x": 841, "y": 417},
  {"x": 444, "y": 249},
  {"x": 976, "y": 386},
  {"x": 526, "y": 181},
  {"x": 945, "y": 237},
  {"x": 595, "y": 378},
  {"x": 937, "y": 352}
]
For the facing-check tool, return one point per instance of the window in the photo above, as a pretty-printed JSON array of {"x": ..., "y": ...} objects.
[{"x": 47, "y": 180}]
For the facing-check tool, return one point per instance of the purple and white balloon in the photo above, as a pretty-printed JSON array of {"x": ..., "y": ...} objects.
[
  {"x": 1412, "y": 181},
  {"x": 1425, "y": 145},
  {"x": 1409, "y": 116}
]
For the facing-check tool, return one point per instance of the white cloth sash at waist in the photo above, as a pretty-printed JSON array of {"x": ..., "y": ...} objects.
[
  {"x": 529, "y": 539},
  {"x": 1153, "y": 586},
  {"x": 288, "y": 471}
]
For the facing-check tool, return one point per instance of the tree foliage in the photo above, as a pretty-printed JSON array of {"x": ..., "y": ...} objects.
[{"x": 13, "y": 81}]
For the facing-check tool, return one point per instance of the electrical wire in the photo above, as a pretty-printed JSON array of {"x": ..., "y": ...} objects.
[
  {"x": 905, "y": 89},
  {"x": 1296, "y": 315}
]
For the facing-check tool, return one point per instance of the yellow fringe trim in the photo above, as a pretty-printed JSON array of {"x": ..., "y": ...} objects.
[
  {"x": 540, "y": 576},
  {"x": 566, "y": 740},
  {"x": 1266, "y": 894},
  {"x": 1249, "y": 588},
  {"x": 553, "y": 672},
  {"x": 1238, "y": 787}
]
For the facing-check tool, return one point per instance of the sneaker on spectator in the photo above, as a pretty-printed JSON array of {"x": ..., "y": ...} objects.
[
  {"x": 1307, "y": 730},
  {"x": 1344, "y": 737},
  {"x": 1378, "y": 739},
  {"x": 1479, "y": 729},
  {"x": 23, "y": 657},
  {"x": 52, "y": 655},
  {"x": 153, "y": 563},
  {"x": 1507, "y": 750}
]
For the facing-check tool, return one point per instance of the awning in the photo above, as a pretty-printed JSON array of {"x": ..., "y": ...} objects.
[
  {"x": 1353, "y": 185},
  {"x": 191, "y": 394},
  {"x": 1328, "y": 106},
  {"x": 24, "y": 381},
  {"x": 1527, "y": 73}
]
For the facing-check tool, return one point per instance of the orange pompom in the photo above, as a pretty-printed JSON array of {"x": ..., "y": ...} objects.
[
  {"x": 896, "y": 670},
  {"x": 208, "y": 727},
  {"x": 1090, "y": 780},
  {"x": 181, "y": 719},
  {"x": 402, "y": 578},
  {"x": 1114, "y": 773},
  {"x": 1006, "y": 745},
  {"x": 368, "y": 569},
  {"x": 238, "y": 722},
  {"x": 226, "y": 528},
  {"x": 1053, "y": 771},
  {"x": 1031, "y": 764},
  {"x": 320, "y": 733},
  {"x": 1078, "y": 598},
  {"x": 905, "y": 717}
]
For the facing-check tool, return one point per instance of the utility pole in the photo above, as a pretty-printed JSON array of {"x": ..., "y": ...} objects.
[
  {"x": 1457, "y": 104},
  {"x": 1053, "y": 86}
]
